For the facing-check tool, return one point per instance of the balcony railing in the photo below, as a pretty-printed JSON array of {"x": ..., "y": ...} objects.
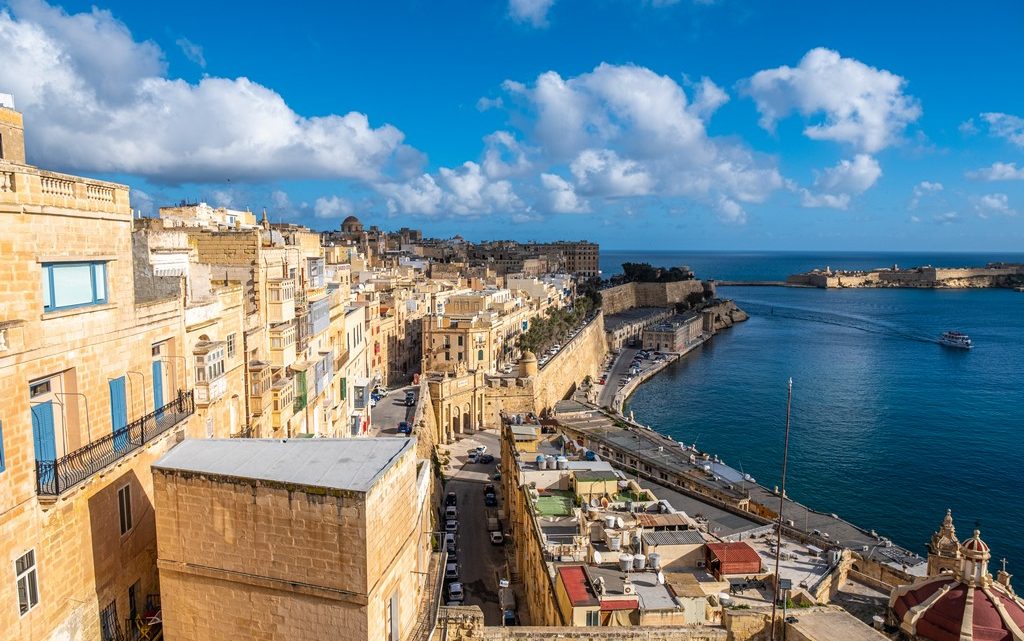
[{"x": 55, "y": 477}]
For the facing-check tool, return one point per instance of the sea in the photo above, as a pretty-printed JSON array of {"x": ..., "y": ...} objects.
[{"x": 889, "y": 428}]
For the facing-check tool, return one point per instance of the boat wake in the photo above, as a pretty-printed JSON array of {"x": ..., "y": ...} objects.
[{"x": 850, "y": 321}]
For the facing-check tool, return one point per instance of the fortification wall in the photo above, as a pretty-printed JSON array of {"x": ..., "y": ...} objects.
[
  {"x": 580, "y": 357},
  {"x": 623, "y": 297}
]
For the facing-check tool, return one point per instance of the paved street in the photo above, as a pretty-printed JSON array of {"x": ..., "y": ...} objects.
[
  {"x": 480, "y": 562},
  {"x": 390, "y": 411},
  {"x": 619, "y": 369}
]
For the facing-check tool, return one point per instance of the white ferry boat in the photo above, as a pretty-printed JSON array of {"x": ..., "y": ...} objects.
[{"x": 956, "y": 339}]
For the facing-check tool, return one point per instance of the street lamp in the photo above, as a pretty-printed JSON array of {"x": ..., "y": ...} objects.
[{"x": 782, "y": 502}]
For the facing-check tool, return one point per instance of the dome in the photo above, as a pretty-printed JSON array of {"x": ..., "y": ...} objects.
[
  {"x": 976, "y": 549},
  {"x": 964, "y": 606},
  {"x": 349, "y": 220}
]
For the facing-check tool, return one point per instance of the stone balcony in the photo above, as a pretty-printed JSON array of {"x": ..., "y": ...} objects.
[{"x": 24, "y": 185}]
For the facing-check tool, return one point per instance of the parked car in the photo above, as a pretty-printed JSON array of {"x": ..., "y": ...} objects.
[
  {"x": 451, "y": 512},
  {"x": 455, "y": 592},
  {"x": 373, "y": 402},
  {"x": 451, "y": 571},
  {"x": 481, "y": 449},
  {"x": 486, "y": 459},
  {"x": 508, "y": 617},
  {"x": 450, "y": 543},
  {"x": 491, "y": 500},
  {"x": 451, "y": 526},
  {"x": 381, "y": 391},
  {"x": 473, "y": 456},
  {"x": 451, "y": 499},
  {"x": 497, "y": 538},
  {"x": 410, "y": 398},
  {"x": 489, "y": 488},
  {"x": 403, "y": 428}
]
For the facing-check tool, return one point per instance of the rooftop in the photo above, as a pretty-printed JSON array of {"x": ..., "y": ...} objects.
[
  {"x": 555, "y": 503},
  {"x": 342, "y": 464},
  {"x": 676, "y": 537}
]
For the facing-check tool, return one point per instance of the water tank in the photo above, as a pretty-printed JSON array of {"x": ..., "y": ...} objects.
[
  {"x": 552, "y": 464},
  {"x": 563, "y": 463},
  {"x": 609, "y": 522},
  {"x": 623, "y": 485},
  {"x": 655, "y": 560},
  {"x": 627, "y": 537},
  {"x": 590, "y": 455},
  {"x": 614, "y": 542},
  {"x": 639, "y": 562},
  {"x": 542, "y": 463},
  {"x": 626, "y": 562}
]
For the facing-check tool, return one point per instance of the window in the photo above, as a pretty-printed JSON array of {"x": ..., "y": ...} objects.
[
  {"x": 479, "y": 354},
  {"x": 39, "y": 388},
  {"x": 133, "y": 600},
  {"x": 231, "y": 345},
  {"x": 460, "y": 341},
  {"x": 108, "y": 622},
  {"x": 67, "y": 285},
  {"x": 593, "y": 617},
  {"x": 28, "y": 584},
  {"x": 124, "y": 507}
]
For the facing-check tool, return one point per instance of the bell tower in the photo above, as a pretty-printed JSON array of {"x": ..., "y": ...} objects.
[
  {"x": 944, "y": 548},
  {"x": 12, "y": 131}
]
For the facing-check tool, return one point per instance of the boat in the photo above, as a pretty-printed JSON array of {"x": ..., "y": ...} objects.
[{"x": 956, "y": 339}]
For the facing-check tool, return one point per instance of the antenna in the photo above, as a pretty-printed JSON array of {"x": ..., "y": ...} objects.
[{"x": 782, "y": 503}]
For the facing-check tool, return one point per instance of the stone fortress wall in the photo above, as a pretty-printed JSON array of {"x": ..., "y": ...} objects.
[
  {"x": 951, "y": 277},
  {"x": 622, "y": 297}
]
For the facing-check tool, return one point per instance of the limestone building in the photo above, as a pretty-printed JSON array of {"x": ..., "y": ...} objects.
[
  {"x": 92, "y": 390},
  {"x": 293, "y": 539}
]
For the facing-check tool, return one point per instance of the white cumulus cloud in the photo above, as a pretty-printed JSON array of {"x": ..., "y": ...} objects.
[
  {"x": 98, "y": 100},
  {"x": 333, "y": 207},
  {"x": 921, "y": 190},
  {"x": 994, "y": 204},
  {"x": 463, "y": 191},
  {"x": 1006, "y": 126},
  {"x": 836, "y": 186},
  {"x": 534, "y": 12},
  {"x": 998, "y": 171},
  {"x": 561, "y": 196},
  {"x": 857, "y": 104}
]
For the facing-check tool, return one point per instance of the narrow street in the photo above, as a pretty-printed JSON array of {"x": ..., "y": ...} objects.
[
  {"x": 619, "y": 369},
  {"x": 390, "y": 411},
  {"x": 481, "y": 563}
]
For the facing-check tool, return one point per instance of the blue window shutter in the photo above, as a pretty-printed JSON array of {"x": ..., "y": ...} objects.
[
  {"x": 118, "y": 411},
  {"x": 158, "y": 385},
  {"x": 42, "y": 431}
]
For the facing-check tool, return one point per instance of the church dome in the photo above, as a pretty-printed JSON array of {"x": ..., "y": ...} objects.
[
  {"x": 967, "y": 605},
  {"x": 350, "y": 219},
  {"x": 351, "y": 225}
]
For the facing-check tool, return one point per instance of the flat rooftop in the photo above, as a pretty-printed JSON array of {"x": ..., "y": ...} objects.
[
  {"x": 341, "y": 464},
  {"x": 720, "y": 522},
  {"x": 832, "y": 625}
]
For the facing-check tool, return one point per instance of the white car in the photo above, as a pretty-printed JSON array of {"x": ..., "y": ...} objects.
[
  {"x": 455, "y": 592},
  {"x": 451, "y": 571},
  {"x": 451, "y": 512},
  {"x": 451, "y": 526},
  {"x": 497, "y": 538}
]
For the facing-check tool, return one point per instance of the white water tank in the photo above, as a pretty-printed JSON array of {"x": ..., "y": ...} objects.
[
  {"x": 655, "y": 560},
  {"x": 614, "y": 542},
  {"x": 626, "y": 562},
  {"x": 552, "y": 465},
  {"x": 542, "y": 463},
  {"x": 609, "y": 522},
  {"x": 563, "y": 463},
  {"x": 639, "y": 562}
]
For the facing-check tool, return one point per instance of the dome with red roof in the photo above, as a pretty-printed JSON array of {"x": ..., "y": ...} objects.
[{"x": 966, "y": 605}]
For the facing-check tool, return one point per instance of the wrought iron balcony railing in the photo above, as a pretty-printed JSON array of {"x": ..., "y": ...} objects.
[{"x": 55, "y": 477}]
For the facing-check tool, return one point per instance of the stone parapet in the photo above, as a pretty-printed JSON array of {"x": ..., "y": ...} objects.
[{"x": 25, "y": 186}]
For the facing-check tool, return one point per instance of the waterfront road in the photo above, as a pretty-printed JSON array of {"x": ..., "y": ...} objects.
[
  {"x": 616, "y": 377},
  {"x": 481, "y": 563},
  {"x": 390, "y": 411}
]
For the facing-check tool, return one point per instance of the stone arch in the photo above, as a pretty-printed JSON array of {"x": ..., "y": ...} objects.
[
  {"x": 456, "y": 420},
  {"x": 467, "y": 422}
]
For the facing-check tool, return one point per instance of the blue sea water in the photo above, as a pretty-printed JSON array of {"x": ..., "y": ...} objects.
[{"x": 889, "y": 427}]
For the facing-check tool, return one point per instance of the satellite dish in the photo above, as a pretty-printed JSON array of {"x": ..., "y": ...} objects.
[
  {"x": 597, "y": 557},
  {"x": 661, "y": 578}
]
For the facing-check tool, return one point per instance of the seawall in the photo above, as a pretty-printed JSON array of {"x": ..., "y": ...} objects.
[{"x": 630, "y": 295}]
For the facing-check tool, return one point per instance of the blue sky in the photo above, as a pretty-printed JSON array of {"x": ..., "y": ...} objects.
[{"x": 636, "y": 123}]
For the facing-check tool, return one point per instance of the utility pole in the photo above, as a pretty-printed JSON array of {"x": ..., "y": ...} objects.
[{"x": 782, "y": 502}]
